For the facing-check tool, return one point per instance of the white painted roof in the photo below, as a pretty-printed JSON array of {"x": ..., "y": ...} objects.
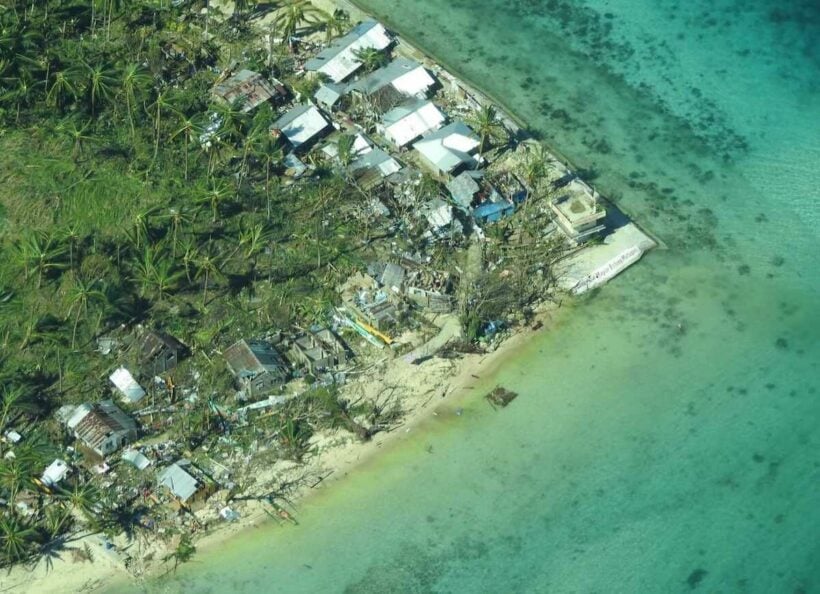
[
  {"x": 448, "y": 147},
  {"x": 339, "y": 60},
  {"x": 377, "y": 159},
  {"x": 55, "y": 472},
  {"x": 127, "y": 385},
  {"x": 405, "y": 75},
  {"x": 137, "y": 459},
  {"x": 407, "y": 122},
  {"x": 301, "y": 124}
]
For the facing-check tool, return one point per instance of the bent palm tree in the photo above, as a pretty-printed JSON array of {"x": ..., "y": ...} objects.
[
  {"x": 488, "y": 126},
  {"x": 291, "y": 18},
  {"x": 371, "y": 58}
]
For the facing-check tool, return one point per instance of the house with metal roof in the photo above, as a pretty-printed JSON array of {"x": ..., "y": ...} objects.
[
  {"x": 404, "y": 75},
  {"x": 127, "y": 386},
  {"x": 340, "y": 59},
  {"x": 448, "y": 149},
  {"x": 249, "y": 88},
  {"x": 372, "y": 167},
  {"x": 302, "y": 125},
  {"x": 257, "y": 365},
  {"x": 328, "y": 94},
  {"x": 406, "y": 122},
  {"x": 102, "y": 427},
  {"x": 185, "y": 482}
]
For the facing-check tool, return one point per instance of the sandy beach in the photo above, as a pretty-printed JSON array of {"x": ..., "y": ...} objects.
[{"x": 434, "y": 387}]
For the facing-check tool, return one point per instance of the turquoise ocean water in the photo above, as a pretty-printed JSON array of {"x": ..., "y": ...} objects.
[{"x": 667, "y": 434}]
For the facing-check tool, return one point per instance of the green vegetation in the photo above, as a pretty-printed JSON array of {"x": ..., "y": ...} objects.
[{"x": 129, "y": 197}]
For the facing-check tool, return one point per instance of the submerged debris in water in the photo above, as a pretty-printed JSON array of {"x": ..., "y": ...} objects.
[{"x": 501, "y": 396}]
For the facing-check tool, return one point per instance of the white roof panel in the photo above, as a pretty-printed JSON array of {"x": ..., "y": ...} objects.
[{"x": 127, "y": 385}]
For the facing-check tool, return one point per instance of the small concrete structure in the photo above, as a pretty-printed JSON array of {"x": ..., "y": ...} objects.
[
  {"x": 55, "y": 472},
  {"x": 448, "y": 149},
  {"x": 102, "y": 427},
  {"x": 406, "y": 76},
  {"x": 248, "y": 87},
  {"x": 257, "y": 365},
  {"x": 406, "y": 122},
  {"x": 127, "y": 386},
  {"x": 319, "y": 351},
  {"x": 577, "y": 212},
  {"x": 340, "y": 59},
  {"x": 302, "y": 125}
]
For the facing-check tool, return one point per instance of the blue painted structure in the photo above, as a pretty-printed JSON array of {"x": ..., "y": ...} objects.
[{"x": 493, "y": 211}]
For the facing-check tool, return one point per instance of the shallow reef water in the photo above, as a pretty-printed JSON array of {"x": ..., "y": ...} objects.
[{"x": 665, "y": 438}]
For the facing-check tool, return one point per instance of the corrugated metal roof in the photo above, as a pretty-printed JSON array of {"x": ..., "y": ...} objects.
[
  {"x": 301, "y": 124},
  {"x": 250, "y": 358},
  {"x": 406, "y": 76},
  {"x": 248, "y": 86},
  {"x": 408, "y": 121},
  {"x": 177, "y": 479},
  {"x": 127, "y": 385},
  {"x": 339, "y": 60},
  {"x": 448, "y": 147}
]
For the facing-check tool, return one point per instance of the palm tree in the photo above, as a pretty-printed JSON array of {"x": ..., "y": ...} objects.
[
  {"x": 142, "y": 225},
  {"x": 39, "y": 251},
  {"x": 156, "y": 274},
  {"x": 16, "y": 538},
  {"x": 80, "y": 296},
  {"x": 134, "y": 79},
  {"x": 83, "y": 497},
  {"x": 179, "y": 217},
  {"x": 63, "y": 89},
  {"x": 336, "y": 23},
  {"x": 100, "y": 83},
  {"x": 189, "y": 130},
  {"x": 290, "y": 18},
  {"x": 208, "y": 265},
  {"x": 371, "y": 58},
  {"x": 183, "y": 553},
  {"x": 160, "y": 103},
  {"x": 76, "y": 135},
  {"x": 21, "y": 91},
  {"x": 215, "y": 194},
  {"x": 488, "y": 126},
  {"x": 71, "y": 235}
]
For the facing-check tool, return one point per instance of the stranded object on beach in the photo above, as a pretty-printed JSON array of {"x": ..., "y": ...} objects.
[{"x": 501, "y": 396}]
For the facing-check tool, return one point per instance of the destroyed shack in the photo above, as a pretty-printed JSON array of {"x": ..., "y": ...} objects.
[
  {"x": 101, "y": 427},
  {"x": 257, "y": 365},
  {"x": 319, "y": 351},
  {"x": 186, "y": 483},
  {"x": 430, "y": 290},
  {"x": 249, "y": 89},
  {"x": 372, "y": 168},
  {"x": 158, "y": 352},
  {"x": 370, "y": 303}
]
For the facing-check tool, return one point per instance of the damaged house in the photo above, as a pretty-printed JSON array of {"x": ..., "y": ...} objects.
[
  {"x": 319, "y": 351},
  {"x": 397, "y": 81},
  {"x": 159, "y": 352},
  {"x": 102, "y": 427},
  {"x": 250, "y": 89},
  {"x": 257, "y": 365}
]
